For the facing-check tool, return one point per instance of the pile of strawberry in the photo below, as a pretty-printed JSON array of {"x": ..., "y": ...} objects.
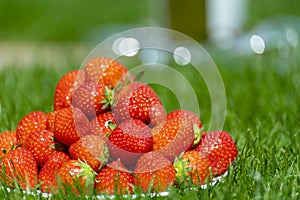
[{"x": 110, "y": 134}]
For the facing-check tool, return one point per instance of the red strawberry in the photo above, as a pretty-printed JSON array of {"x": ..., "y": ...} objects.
[
  {"x": 19, "y": 167},
  {"x": 77, "y": 175},
  {"x": 153, "y": 168},
  {"x": 173, "y": 137},
  {"x": 129, "y": 140},
  {"x": 8, "y": 140},
  {"x": 191, "y": 118},
  {"x": 185, "y": 115},
  {"x": 41, "y": 145},
  {"x": 91, "y": 149},
  {"x": 68, "y": 125},
  {"x": 220, "y": 149},
  {"x": 114, "y": 178},
  {"x": 104, "y": 71},
  {"x": 32, "y": 122},
  {"x": 92, "y": 98},
  {"x": 103, "y": 124},
  {"x": 192, "y": 165},
  {"x": 138, "y": 101},
  {"x": 49, "y": 172},
  {"x": 65, "y": 88}
]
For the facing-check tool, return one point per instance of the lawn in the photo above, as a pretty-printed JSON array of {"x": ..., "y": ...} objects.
[{"x": 263, "y": 105}]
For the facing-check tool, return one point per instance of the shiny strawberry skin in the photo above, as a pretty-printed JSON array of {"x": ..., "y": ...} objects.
[
  {"x": 194, "y": 166},
  {"x": 89, "y": 98},
  {"x": 153, "y": 167},
  {"x": 173, "y": 137},
  {"x": 114, "y": 178},
  {"x": 138, "y": 101},
  {"x": 19, "y": 165},
  {"x": 185, "y": 115},
  {"x": 68, "y": 125},
  {"x": 48, "y": 173},
  {"x": 220, "y": 149},
  {"x": 103, "y": 124},
  {"x": 105, "y": 71},
  {"x": 8, "y": 140},
  {"x": 128, "y": 140},
  {"x": 92, "y": 150},
  {"x": 41, "y": 145},
  {"x": 65, "y": 88},
  {"x": 32, "y": 122}
]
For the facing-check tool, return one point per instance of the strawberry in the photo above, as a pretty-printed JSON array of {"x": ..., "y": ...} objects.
[
  {"x": 68, "y": 125},
  {"x": 186, "y": 115},
  {"x": 78, "y": 176},
  {"x": 92, "y": 98},
  {"x": 49, "y": 172},
  {"x": 191, "y": 118},
  {"x": 65, "y": 88},
  {"x": 103, "y": 124},
  {"x": 173, "y": 137},
  {"x": 32, "y": 122},
  {"x": 101, "y": 70},
  {"x": 220, "y": 149},
  {"x": 129, "y": 140},
  {"x": 114, "y": 178},
  {"x": 8, "y": 140},
  {"x": 41, "y": 145},
  {"x": 192, "y": 165},
  {"x": 154, "y": 170},
  {"x": 19, "y": 167},
  {"x": 91, "y": 149},
  {"x": 138, "y": 101}
]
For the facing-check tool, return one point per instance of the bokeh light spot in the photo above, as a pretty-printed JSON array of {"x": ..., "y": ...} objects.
[
  {"x": 257, "y": 44},
  {"x": 182, "y": 56},
  {"x": 129, "y": 47},
  {"x": 116, "y": 45}
]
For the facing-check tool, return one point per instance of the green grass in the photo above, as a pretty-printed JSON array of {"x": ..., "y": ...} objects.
[{"x": 263, "y": 104}]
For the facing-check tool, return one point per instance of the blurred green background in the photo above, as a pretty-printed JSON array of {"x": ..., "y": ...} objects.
[
  {"x": 65, "y": 21},
  {"x": 81, "y": 21},
  {"x": 58, "y": 32}
]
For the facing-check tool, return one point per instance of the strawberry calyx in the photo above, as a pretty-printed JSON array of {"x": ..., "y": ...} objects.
[
  {"x": 197, "y": 135},
  {"x": 104, "y": 157},
  {"x": 110, "y": 125},
  {"x": 87, "y": 173},
  {"x": 110, "y": 93},
  {"x": 182, "y": 169},
  {"x": 109, "y": 98}
]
